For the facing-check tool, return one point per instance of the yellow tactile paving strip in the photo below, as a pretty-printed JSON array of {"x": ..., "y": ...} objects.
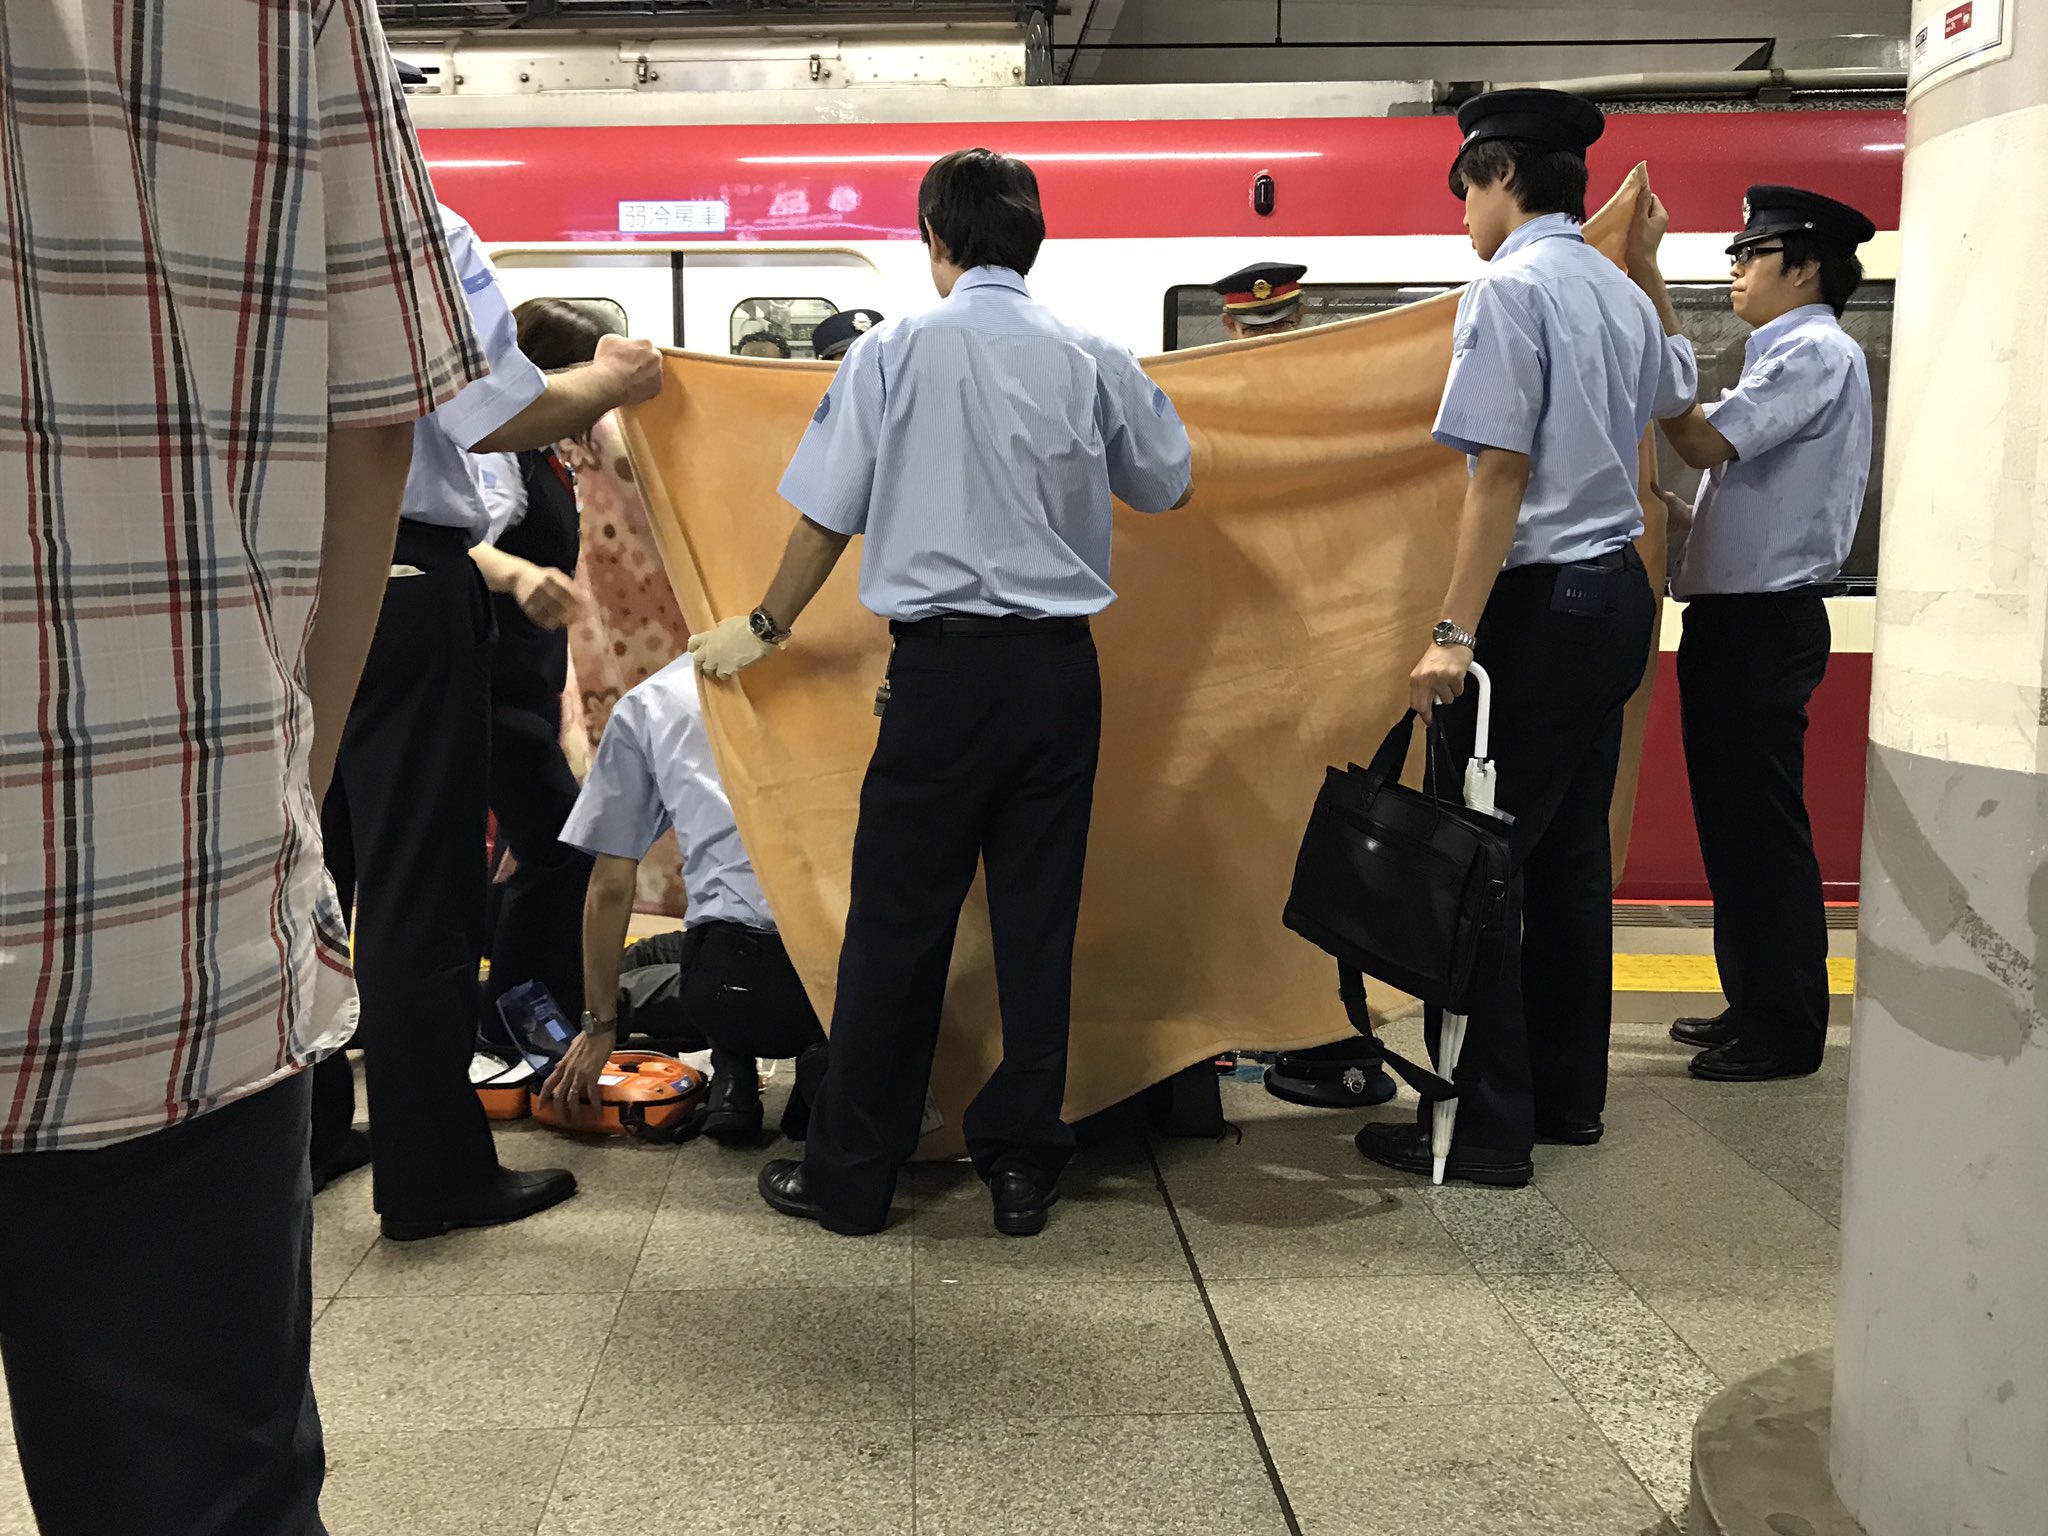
[{"x": 1697, "y": 973}]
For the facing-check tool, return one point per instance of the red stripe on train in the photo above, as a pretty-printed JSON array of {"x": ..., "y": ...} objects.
[{"x": 1132, "y": 180}]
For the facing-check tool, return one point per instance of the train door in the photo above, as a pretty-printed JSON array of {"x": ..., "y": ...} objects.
[{"x": 766, "y": 303}]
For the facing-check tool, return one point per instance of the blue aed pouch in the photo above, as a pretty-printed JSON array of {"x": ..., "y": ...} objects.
[
  {"x": 539, "y": 1030},
  {"x": 1582, "y": 590}
]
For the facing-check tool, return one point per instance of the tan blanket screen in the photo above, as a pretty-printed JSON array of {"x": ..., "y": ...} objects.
[{"x": 1262, "y": 632}]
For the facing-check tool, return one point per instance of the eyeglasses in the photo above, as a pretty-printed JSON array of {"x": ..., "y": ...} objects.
[{"x": 1741, "y": 259}]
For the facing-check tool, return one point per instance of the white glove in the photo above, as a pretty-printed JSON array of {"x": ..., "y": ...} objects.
[{"x": 730, "y": 647}]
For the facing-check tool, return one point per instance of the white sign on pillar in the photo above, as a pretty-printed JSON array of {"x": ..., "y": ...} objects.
[{"x": 1952, "y": 37}]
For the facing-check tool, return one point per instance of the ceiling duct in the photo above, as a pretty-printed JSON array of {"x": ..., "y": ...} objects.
[
  {"x": 528, "y": 47},
  {"x": 476, "y": 14}
]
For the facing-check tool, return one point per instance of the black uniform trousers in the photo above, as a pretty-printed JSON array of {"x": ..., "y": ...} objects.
[
  {"x": 404, "y": 825},
  {"x": 537, "y": 934},
  {"x": 722, "y": 985},
  {"x": 156, "y": 1316},
  {"x": 1747, "y": 665},
  {"x": 538, "y": 931},
  {"x": 986, "y": 755},
  {"x": 1560, "y": 683}
]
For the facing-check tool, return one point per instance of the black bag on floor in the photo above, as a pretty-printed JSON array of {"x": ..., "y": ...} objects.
[{"x": 1407, "y": 886}]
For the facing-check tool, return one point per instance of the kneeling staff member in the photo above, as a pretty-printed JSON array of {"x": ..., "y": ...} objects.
[
  {"x": 732, "y": 984},
  {"x": 1787, "y": 456},
  {"x": 977, "y": 446},
  {"x": 1558, "y": 364}
]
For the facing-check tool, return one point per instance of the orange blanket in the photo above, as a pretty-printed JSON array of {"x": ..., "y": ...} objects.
[{"x": 1262, "y": 632}]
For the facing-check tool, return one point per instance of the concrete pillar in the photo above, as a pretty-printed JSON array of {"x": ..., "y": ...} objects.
[{"x": 1940, "y": 1423}]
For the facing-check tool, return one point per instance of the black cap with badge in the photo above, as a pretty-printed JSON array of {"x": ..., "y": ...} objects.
[
  {"x": 1553, "y": 119},
  {"x": 835, "y": 333},
  {"x": 1770, "y": 211},
  {"x": 1263, "y": 293}
]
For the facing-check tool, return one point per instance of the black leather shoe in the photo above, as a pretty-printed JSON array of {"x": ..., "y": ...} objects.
[
  {"x": 351, "y": 1154},
  {"x": 1021, "y": 1206},
  {"x": 1404, "y": 1146},
  {"x": 1704, "y": 1034},
  {"x": 513, "y": 1195},
  {"x": 782, "y": 1185},
  {"x": 732, "y": 1110},
  {"x": 1570, "y": 1130},
  {"x": 1736, "y": 1062}
]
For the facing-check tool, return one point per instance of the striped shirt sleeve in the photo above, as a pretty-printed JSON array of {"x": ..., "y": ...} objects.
[{"x": 400, "y": 340}]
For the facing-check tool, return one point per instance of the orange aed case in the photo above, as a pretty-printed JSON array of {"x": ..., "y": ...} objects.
[{"x": 640, "y": 1093}]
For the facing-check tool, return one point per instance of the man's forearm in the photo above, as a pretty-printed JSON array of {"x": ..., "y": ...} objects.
[
  {"x": 807, "y": 559},
  {"x": 607, "y": 914},
  {"x": 1698, "y": 442},
  {"x": 570, "y": 406},
  {"x": 366, "y": 469},
  {"x": 1486, "y": 530},
  {"x": 1651, "y": 281}
]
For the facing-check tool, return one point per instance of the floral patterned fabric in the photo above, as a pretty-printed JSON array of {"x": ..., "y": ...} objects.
[{"x": 630, "y": 629}]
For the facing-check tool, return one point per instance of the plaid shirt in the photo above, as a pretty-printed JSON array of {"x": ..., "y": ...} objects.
[{"x": 217, "y": 242}]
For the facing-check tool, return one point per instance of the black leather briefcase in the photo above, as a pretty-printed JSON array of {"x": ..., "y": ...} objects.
[{"x": 1408, "y": 886}]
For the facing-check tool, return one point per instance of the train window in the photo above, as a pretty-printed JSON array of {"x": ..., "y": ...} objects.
[
  {"x": 607, "y": 312},
  {"x": 761, "y": 326},
  {"x": 1194, "y": 316},
  {"x": 1194, "y": 320}
]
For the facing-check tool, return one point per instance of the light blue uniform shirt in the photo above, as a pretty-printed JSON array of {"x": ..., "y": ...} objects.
[
  {"x": 1783, "y": 513},
  {"x": 503, "y": 489},
  {"x": 1559, "y": 356},
  {"x": 976, "y": 446},
  {"x": 654, "y": 772},
  {"x": 441, "y": 488}
]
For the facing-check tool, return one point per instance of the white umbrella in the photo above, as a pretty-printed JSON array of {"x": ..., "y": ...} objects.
[{"x": 1479, "y": 790}]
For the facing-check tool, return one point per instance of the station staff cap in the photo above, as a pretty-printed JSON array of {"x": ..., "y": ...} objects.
[
  {"x": 1261, "y": 293},
  {"x": 835, "y": 333},
  {"x": 1554, "y": 119},
  {"x": 1769, "y": 211}
]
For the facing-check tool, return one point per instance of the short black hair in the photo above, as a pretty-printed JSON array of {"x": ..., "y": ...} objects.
[
  {"x": 781, "y": 347},
  {"x": 1841, "y": 274},
  {"x": 983, "y": 207},
  {"x": 560, "y": 333},
  {"x": 1545, "y": 180}
]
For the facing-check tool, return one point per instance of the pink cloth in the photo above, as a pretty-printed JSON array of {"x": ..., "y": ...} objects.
[{"x": 630, "y": 629}]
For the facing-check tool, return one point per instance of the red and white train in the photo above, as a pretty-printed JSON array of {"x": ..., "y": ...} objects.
[{"x": 708, "y": 230}]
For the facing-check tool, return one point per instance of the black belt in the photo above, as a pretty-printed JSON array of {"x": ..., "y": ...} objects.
[
  {"x": 968, "y": 625},
  {"x": 1613, "y": 560},
  {"x": 749, "y": 940},
  {"x": 1801, "y": 594},
  {"x": 439, "y": 533}
]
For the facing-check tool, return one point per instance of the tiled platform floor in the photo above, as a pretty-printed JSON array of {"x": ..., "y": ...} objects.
[{"x": 1210, "y": 1340}]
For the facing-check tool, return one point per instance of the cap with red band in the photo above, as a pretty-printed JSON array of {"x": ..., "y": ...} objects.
[{"x": 1261, "y": 293}]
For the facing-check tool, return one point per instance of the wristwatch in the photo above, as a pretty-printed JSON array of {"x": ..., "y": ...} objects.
[
  {"x": 593, "y": 1025},
  {"x": 766, "y": 629},
  {"x": 1448, "y": 633}
]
